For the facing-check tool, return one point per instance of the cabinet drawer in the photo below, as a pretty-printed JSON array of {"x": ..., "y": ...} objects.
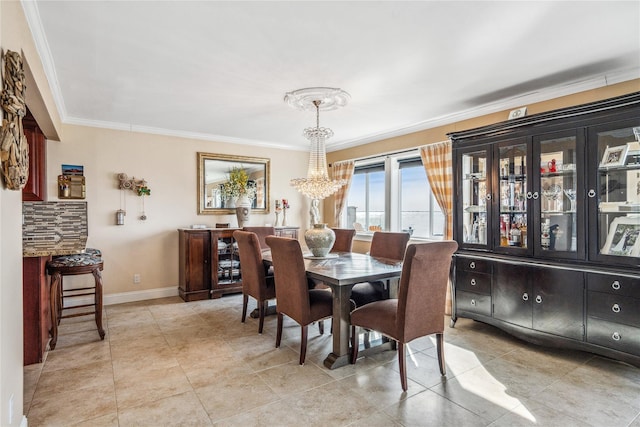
[
  {"x": 470, "y": 264},
  {"x": 613, "y": 284},
  {"x": 615, "y": 308},
  {"x": 614, "y": 335},
  {"x": 474, "y": 303},
  {"x": 474, "y": 282}
]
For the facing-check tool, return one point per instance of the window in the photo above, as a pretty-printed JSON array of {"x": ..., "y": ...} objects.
[
  {"x": 366, "y": 200},
  {"x": 393, "y": 193}
]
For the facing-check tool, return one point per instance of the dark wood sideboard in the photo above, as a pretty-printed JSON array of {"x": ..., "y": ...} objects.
[{"x": 209, "y": 265}]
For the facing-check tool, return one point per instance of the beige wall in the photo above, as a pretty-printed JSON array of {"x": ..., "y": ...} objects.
[{"x": 169, "y": 165}]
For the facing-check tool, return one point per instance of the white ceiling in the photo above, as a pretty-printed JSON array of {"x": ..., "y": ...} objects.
[{"x": 219, "y": 70}]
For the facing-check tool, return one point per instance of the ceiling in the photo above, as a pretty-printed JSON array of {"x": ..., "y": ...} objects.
[{"x": 219, "y": 70}]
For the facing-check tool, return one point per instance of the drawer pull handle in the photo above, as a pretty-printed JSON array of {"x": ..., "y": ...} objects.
[
  {"x": 615, "y": 308},
  {"x": 473, "y": 282},
  {"x": 616, "y": 336},
  {"x": 616, "y": 285},
  {"x": 472, "y": 265},
  {"x": 525, "y": 297},
  {"x": 538, "y": 299},
  {"x": 473, "y": 302}
]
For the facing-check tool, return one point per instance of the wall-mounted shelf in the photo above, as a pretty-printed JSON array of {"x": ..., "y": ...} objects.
[{"x": 71, "y": 187}]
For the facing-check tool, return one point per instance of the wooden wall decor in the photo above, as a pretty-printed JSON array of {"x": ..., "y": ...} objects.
[{"x": 14, "y": 150}]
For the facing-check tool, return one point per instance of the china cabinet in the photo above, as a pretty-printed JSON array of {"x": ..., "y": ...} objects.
[{"x": 547, "y": 219}]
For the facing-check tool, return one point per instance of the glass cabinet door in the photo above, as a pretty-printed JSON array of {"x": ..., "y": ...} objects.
[
  {"x": 615, "y": 233},
  {"x": 476, "y": 197},
  {"x": 558, "y": 205},
  {"x": 512, "y": 233}
]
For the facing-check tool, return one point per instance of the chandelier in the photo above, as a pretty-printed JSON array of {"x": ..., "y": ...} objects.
[{"x": 317, "y": 185}]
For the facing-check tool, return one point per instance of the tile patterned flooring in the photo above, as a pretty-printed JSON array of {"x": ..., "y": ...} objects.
[{"x": 165, "y": 362}]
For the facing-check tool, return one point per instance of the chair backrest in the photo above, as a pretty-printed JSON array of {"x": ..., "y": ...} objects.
[
  {"x": 261, "y": 232},
  {"x": 344, "y": 239},
  {"x": 423, "y": 288},
  {"x": 292, "y": 292},
  {"x": 390, "y": 245},
  {"x": 253, "y": 271}
]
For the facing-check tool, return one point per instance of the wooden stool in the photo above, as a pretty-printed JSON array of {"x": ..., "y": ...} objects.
[{"x": 89, "y": 262}]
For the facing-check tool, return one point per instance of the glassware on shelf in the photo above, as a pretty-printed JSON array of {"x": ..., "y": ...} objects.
[
  {"x": 571, "y": 195},
  {"x": 551, "y": 193}
]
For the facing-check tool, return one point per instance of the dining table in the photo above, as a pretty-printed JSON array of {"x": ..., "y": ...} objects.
[{"x": 340, "y": 271}]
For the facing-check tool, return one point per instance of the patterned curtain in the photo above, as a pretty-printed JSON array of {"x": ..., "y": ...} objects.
[
  {"x": 342, "y": 170},
  {"x": 436, "y": 159},
  {"x": 437, "y": 162}
]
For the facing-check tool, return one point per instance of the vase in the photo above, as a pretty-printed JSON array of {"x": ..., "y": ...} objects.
[
  {"x": 284, "y": 217},
  {"x": 243, "y": 210},
  {"x": 319, "y": 239}
]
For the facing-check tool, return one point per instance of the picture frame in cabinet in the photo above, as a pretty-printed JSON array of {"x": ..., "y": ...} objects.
[
  {"x": 624, "y": 237},
  {"x": 633, "y": 186},
  {"x": 614, "y": 156}
]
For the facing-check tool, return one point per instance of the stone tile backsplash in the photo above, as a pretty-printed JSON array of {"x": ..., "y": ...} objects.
[{"x": 54, "y": 228}]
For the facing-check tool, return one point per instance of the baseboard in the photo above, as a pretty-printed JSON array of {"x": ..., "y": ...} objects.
[
  {"x": 123, "y": 297},
  {"x": 24, "y": 422},
  {"x": 146, "y": 294}
]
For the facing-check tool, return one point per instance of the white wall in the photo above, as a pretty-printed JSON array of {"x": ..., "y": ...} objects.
[{"x": 169, "y": 165}]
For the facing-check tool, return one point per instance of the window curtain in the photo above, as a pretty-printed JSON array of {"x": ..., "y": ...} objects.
[
  {"x": 342, "y": 170},
  {"x": 437, "y": 162}
]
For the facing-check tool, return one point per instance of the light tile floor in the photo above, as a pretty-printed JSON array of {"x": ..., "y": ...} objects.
[{"x": 166, "y": 362}]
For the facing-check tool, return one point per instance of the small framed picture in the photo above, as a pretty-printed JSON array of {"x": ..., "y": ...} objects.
[
  {"x": 614, "y": 156},
  {"x": 624, "y": 237}
]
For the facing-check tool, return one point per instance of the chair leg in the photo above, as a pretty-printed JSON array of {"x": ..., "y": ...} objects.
[
  {"x": 321, "y": 327},
  {"x": 403, "y": 365},
  {"x": 245, "y": 302},
  {"x": 261, "y": 311},
  {"x": 354, "y": 344},
  {"x": 440, "y": 348},
  {"x": 98, "y": 301},
  {"x": 303, "y": 343},
  {"x": 279, "y": 330}
]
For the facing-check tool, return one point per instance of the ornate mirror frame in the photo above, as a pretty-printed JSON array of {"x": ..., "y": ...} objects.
[{"x": 213, "y": 170}]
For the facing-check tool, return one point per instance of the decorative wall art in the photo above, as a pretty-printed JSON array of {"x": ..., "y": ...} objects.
[{"x": 14, "y": 150}]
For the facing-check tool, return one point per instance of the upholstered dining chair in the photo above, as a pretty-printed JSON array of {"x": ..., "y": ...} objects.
[
  {"x": 255, "y": 281},
  {"x": 344, "y": 239},
  {"x": 261, "y": 232},
  {"x": 293, "y": 297},
  {"x": 384, "y": 244},
  {"x": 419, "y": 309}
]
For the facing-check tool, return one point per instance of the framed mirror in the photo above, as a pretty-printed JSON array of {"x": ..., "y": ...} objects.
[{"x": 214, "y": 172}]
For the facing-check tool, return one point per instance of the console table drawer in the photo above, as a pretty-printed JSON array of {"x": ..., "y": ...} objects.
[
  {"x": 474, "y": 282},
  {"x": 615, "y": 308},
  {"x": 613, "y": 335},
  {"x": 474, "y": 303},
  {"x": 612, "y": 284},
  {"x": 472, "y": 264}
]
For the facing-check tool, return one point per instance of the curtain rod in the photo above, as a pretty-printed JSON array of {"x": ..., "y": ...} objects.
[{"x": 387, "y": 154}]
